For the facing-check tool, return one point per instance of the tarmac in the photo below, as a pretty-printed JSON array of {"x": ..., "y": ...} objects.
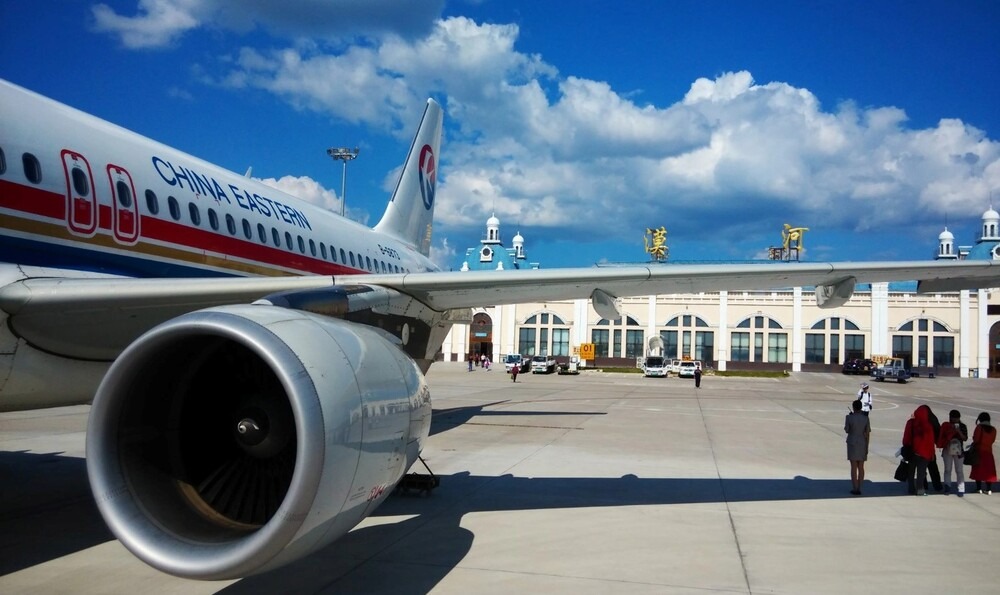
[{"x": 597, "y": 483}]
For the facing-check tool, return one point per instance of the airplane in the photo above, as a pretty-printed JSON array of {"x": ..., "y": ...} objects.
[{"x": 256, "y": 365}]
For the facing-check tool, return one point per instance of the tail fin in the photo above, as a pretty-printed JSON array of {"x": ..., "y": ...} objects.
[{"x": 411, "y": 208}]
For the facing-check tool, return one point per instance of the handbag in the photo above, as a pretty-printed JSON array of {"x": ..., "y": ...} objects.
[
  {"x": 900, "y": 474},
  {"x": 971, "y": 456}
]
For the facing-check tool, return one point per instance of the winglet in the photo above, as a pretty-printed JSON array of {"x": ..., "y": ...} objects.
[{"x": 411, "y": 209}]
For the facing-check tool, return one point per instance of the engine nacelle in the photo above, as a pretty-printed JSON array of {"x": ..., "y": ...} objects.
[{"x": 234, "y": 440}]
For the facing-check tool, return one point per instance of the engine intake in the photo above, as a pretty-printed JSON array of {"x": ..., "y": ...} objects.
[{"x": 234, "y": 440}]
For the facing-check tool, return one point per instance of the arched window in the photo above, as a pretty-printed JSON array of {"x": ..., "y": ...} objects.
[
  {"x": 748, "y": 345},
  {"x": 833, "y": 342},
  {"x": 544, "y": 333},
  {"x": 683, "y": 337},
  {"x": 608, "y": 342},
  {"x": 935, "y": 343}
]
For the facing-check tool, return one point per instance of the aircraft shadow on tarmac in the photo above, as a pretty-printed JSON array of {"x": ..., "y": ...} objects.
[
  {"x": 46, "y": 509},
  {"x": 51, "y": 513},
  {"x": 443, "y": 420},
  {"x": 432, "y": 541}
]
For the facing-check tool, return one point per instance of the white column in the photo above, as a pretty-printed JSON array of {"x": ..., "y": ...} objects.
[
  {"x": 446, "y": 350},
  {"x": 722, "y": 344},
  {"x": 650, "y": 320},
  {"x": 460, "y": 340},
  {"x": 496, "y": 317},
  {"x": 509, "y": 328},
  {"x": 983, "y": 354},
  {"x": 581, "y": 308},
  {"x": 797, "y": 329},
  {"x": 964, "y": 334},
  {"x": 880, "y": 320}
]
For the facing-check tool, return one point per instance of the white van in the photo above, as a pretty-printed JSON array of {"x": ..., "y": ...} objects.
[
  {"x": 654, "y": 366},
  {"x": 511, "y": 360}
]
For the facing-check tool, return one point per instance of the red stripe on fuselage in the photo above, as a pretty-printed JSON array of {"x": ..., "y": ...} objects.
[{"x": 203, "y": 247}]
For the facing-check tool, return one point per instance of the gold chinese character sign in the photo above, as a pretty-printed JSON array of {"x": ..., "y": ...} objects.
[{"x": 656, "y": 243}]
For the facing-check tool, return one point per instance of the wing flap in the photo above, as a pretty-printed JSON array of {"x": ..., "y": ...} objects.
[
  {"x": 443, "y": 291},
  {"x": 95, "y": 318}
]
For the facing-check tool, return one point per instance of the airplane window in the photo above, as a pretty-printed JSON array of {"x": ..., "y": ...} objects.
[
  {"x": 312, "y": 247},
  {"x": 368, "y": 263},
  {"x": 342, "y": 259},
  {"x": 261, "y": 233},
  {"x": 302, "y": 245},
  {"x": 230, "y": 224},
  {"x": 352, "y": 259},
  {"x": 276, "y": 237},
  {"x": 152, "y": 203},
  {"x": 80, "y": 182},
  {"x": 3, "y": 163},
  {"x": 175, "y": 209},
  {"x": 322, "y": 250},
  {"x": 32, "y": 168},
  {"x": 124, "y": 194},
  {"x": 213, "y": 219},
  {"x": 288, "y": 240},
  {"x": 246, "y": 229},
  {"x": 194, "y": 213}
]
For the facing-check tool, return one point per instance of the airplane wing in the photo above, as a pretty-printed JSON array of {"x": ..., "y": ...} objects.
[
  {"x": 834, "y": 281},
  {"x": 94, "y": 318}
]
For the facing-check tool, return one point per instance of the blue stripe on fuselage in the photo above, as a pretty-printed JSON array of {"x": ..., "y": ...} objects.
[{"x": 46, "y": 254}]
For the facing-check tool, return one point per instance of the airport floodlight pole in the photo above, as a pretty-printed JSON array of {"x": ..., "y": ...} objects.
[{"x": 344, "y": 154}]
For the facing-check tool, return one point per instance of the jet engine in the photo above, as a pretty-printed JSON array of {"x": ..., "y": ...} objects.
[{"x": 234, "y": 440}]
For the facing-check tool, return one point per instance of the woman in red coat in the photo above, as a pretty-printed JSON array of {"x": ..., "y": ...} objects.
[
  {"x": 984, "y": 471},
  {"x": 919, "y": 437}
]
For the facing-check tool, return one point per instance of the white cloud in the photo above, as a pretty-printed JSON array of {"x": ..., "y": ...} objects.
[
  {"x": 311, "y": 191},
  {"x": 159, "y": 22},
  {"x": 557, "y": 151},
  {"x": 443, "y": 254}
]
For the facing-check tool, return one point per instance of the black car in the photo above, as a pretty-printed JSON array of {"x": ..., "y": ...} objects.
[{"x": 859, "y": 366}]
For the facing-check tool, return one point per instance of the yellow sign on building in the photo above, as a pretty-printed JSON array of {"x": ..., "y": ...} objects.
[
  {"x": 656, "y": 243},
  {"x": 587, "y": 351}
]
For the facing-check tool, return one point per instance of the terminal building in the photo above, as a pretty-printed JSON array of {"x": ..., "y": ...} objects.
[{"x": 951, "y": 334}]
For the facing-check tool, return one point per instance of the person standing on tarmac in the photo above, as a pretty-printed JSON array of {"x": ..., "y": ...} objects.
[
  {"x": 866, "y": 398},
  {"x": 858, "y": 429},
  {"x": 918, "y": 443},
  {"x": 697, "y": 377},
  {"x": 950, "y": 440}
]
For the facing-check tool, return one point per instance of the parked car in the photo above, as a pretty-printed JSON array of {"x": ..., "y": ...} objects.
[
  {"x": 859, "y": 366},
  {"x": 688, "y": 367},
  {"x": 894, "y": 368},
  {"x": 675, "y": 367}
]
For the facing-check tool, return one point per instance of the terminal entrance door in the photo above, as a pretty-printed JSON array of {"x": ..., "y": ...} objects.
[{"x": 481, "y": 336}]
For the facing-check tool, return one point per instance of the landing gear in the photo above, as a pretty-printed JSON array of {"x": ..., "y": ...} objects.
[{"x": 419, "y": 482}]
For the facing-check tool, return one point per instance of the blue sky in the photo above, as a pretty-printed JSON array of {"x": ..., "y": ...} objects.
[{"x": 580, "y": 123}]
